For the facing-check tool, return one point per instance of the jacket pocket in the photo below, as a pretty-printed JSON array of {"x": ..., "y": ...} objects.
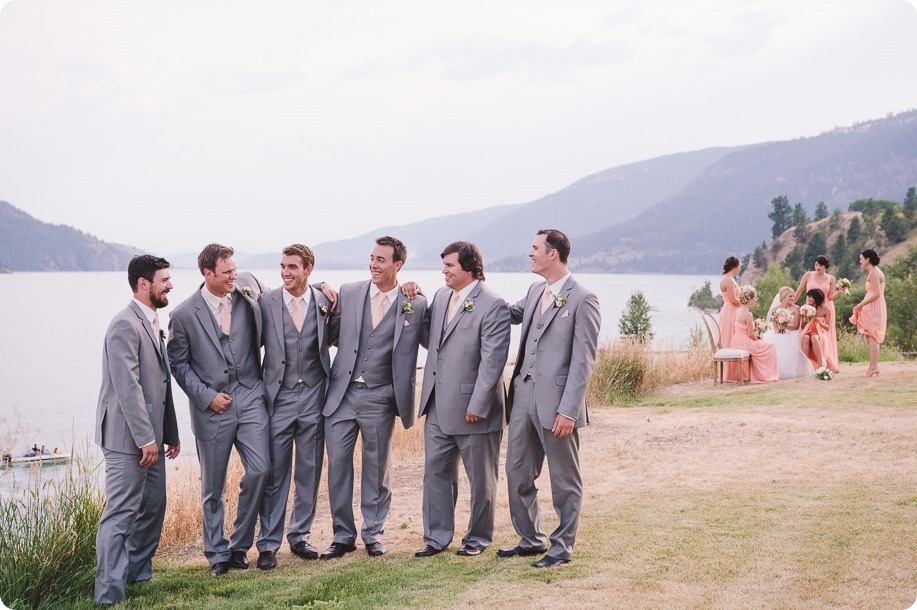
[
  {"x": 560, "y": 379},
  {"x": 467, "y": 388}
]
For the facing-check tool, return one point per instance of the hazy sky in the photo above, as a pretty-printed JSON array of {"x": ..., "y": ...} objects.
[{"x": 172, "y": 124}]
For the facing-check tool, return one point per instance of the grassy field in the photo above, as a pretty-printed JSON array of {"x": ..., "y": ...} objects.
[{"x": 801, "y": 494}]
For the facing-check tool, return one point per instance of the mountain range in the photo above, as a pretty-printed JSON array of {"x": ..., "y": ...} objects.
[{"x": 680, "y": 213}]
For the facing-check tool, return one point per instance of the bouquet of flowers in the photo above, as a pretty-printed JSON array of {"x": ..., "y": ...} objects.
[
  {"x": 824, "y": 374},
  {"x": 844, "y": 284},
  {"x": 760, "y": 327},
  {"x": 781, "y": 317},
  {"x": 807, "y": 312}
]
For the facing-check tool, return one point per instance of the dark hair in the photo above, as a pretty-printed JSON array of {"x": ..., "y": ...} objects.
[
  {"x": 211, "y": 255},
  {"x": 870, "y": 255},
  {"x": 557, "y": 240},
  {"x": 400, "y": 252},
  {"x": 302, "y": 251},
  {"x": 823, "y": 261},
  {"x": 817, "y": 295},
  {"x": 144, "y": 266},
  {"x": 730, "y": 264},
  {"x": 469, "y": 257}
]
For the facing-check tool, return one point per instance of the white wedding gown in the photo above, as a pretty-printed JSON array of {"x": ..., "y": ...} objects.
[{"x": 791, "y": 361}]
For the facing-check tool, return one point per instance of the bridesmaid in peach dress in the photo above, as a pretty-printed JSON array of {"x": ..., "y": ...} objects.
[
  {"x": 815, "y": 331},
  {"x": 824, "y": 281},
  {"x": 729, "y": 289},
  {"x": 762, "y": 368},
  {"x": 870, "y": 315}
]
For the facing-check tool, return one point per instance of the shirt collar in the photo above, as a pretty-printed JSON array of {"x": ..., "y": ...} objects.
[
  {"x": 464, "y": 292},
  {"x": 306, "y": 298},
  {"x": 212, "y": 299},
  {"x": 147, "y": 311},
  {"x": 391, "y": 294},
  {"x": 557, "y": 286}
]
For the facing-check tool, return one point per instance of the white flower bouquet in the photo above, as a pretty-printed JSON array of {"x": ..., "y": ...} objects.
[
  {"x": 760, "y": 327},
  {"x": 844, "y": 285},
  {"x": 824, "y": 374},
  {"x": 807, "y": 312},
  {"x": 781, "y": 317}
]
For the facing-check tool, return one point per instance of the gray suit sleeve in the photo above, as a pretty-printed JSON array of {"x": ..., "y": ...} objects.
[
  {"x": 585, "y": 342},
  {"x": 517, "y": 310},
  {"x": 179, "y": 348},
  {"x": 123, "y": 343},
  {"x": 495, "y": 334}
]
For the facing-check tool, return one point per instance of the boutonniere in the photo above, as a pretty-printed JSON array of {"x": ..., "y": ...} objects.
[
  {"x": 559, "y": 300},
  {"x": 468, "y": 305},
  {"x": 162, "y": 334},
  {"x": 246, "y": 290},
  {"x": 323, "y": 309},
  {"x": 406, "y": 308}
]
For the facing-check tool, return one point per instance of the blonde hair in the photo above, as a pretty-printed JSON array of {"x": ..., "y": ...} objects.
[
  {"x": 785, "y": 291},
  {"x": 747, "y": 293}
]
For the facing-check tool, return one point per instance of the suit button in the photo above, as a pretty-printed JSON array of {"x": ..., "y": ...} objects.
[
  {"x": 226, "y": 372},
  {"x": 283, "y": 362}
]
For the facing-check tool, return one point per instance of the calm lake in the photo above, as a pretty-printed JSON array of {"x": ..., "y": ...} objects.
[{"x": 52, "y": 326}]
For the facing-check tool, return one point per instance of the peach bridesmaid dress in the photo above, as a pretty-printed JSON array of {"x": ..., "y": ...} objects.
[
  {"x": 873, "y": 317},
  {"x": 727, "y": 322},
  {"x": 829, "y": 337},
  {"x": 814, "y": 328},
  {"x": 763, "y": 364}
]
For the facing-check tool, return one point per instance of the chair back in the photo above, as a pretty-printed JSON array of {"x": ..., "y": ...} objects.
[{"x": 713, "y": 331}]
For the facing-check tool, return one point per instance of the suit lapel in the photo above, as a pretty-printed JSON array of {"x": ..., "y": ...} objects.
[
  {"x": 276, "y": 305},
  {"x": 206, "y": 319},
  {"x": 251, "y": 303},
  {"x": 148, "y": 327},
  {"x": 552, "y": 311},
  {"x": 319, "y": 319},
  {"x": 362, "y": 295},
  {"x": 457, "y": 317},
  {"x": 399, "y": 325}
]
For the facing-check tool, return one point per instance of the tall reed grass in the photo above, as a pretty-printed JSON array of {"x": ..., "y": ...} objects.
[
  {"x": 47, "y": 538},
  {"x": 627, "y": 368},
  {"x": 851, "y": 347}
]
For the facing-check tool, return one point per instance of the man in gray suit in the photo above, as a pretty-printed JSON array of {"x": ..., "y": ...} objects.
[
  {"x": 466, "y": 331},
  {"x": 214, "y": 348},
  {"x": 371, "y": 382},
  {"x": 560, "y": 327},
  {"x": 296, "y": 365},
  {"x": 135, "y": 425}
]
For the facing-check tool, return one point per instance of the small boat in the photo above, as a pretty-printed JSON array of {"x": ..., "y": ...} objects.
[{"x": 41, "y": 458}]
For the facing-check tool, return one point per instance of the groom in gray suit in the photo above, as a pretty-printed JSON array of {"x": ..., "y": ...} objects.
[
  {"x": 214, "y": 348},
  {"x": 560, "y": 327},
  {"x": 296, "y": 366},
  {"x": 371, "y": 382},
  {"x": 135, "y": 425},
  {"x": 466, "y": 331}
]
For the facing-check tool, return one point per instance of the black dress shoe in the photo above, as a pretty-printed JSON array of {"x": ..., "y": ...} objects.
[
  {"x": 304, "y": 550},
  {"x": 428, "y": 551},
  {"x": 468, "y": 551},
  {"x": 238, "y": 560},
  {"x": 338, "y": 549},
  {"x": 375, "y": 549},
  {"x": 219, "y": 568},
  {"x": 267, "y": 560},
  {"x": 550, "y": 562},
  {"x": 518, "y": 551}
]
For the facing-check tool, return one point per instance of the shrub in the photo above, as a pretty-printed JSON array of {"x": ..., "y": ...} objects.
[
  {"x": 703, "y": 298},
  {"x": 635, "y": 319}
]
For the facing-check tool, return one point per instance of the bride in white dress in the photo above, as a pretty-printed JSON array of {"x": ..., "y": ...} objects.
[{"x": 791, "y": 361}]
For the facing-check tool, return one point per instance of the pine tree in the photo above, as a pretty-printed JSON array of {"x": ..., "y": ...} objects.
[
  {"x": 635, "y": 319},
  {"x": 910, "y": 207},
  {"x": 801, "y": 223},
  {"x": 821, "y": 211},
  {"x": 780, "y": 215}
]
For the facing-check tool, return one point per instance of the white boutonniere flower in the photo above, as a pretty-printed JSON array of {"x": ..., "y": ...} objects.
[
  {"x": 406, "y": 308},
  {"x": 559, "y": 300},
  {"x": 323, "y": 309},
  {"x": 246, "y": 290},
  {"x": 468, "y": 305}
]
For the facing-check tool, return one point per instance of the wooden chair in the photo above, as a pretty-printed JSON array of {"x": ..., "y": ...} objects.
[{"x": 724, "y": 354}]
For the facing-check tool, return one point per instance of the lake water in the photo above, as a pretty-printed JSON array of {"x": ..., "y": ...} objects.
[{"x": 52, "y": 326}]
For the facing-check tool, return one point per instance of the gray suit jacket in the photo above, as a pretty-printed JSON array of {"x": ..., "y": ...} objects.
[
  {"x": 565, "y": 353},
  {"x": 197, "y": 359},
  {"x": 465, "y": 361},
  {"x": 345, "y": 333},
  {"x": 272, "y": 311},
  {"x": 135, "y": 402}
]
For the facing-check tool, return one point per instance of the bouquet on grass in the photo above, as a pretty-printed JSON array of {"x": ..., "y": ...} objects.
[
  {"x": 781, "y": 317},
  {"x": 824, "y": 374},
  {"x": 760, "y": 327},
  {"x": 844, "y": 285}
]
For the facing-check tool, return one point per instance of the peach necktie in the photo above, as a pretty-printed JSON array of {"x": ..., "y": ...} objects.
[
  {"x": 546, "y": 299},
  {"x": 297, "y": 314},
  {"x": 379, "y": 308},
  {"x": 157, "y": 338},
  {"x": 225, "y": 315},
  {"x": 453, "y": 306}
]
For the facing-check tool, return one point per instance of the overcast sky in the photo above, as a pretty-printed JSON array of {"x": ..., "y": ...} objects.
[{"x": 172, "y": 124}]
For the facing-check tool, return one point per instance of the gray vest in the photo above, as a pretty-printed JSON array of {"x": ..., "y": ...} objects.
[
  {"x": 300, "y": 350},
  {"x": 374, "y": 357},
  {"x": 531, "y": 344},
  {"x": 240, "y": 348}
]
